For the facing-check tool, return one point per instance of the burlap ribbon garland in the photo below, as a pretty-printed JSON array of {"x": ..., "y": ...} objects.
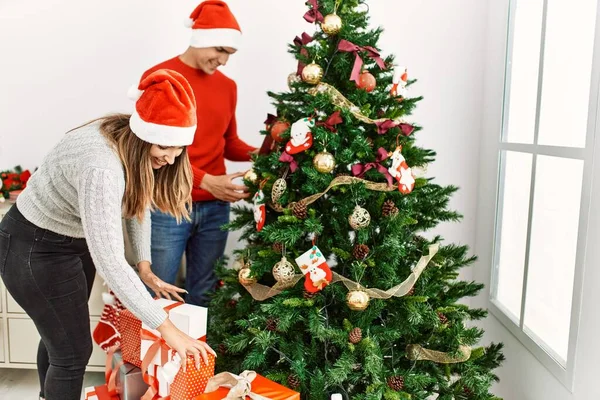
[
  {"x": 338, "y": 181},
  {"x": 417, "y": 352},
  {"x": 262, "y": 292},
  {"x": 338, "y": 99}
]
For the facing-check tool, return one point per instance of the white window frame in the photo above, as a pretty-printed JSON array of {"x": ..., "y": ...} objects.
[{"x": 548, "y": 358}]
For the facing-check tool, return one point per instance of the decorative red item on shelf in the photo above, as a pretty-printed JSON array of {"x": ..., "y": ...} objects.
[{"x": 13, "y": 182}]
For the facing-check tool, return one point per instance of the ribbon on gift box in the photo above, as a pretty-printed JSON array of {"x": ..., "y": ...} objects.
[
  {"x": 248, "y": 385},
  {"x": 240, "y": 386},
  {"x": 158, "y": 345},
  {"x": 108, "y": 391}
]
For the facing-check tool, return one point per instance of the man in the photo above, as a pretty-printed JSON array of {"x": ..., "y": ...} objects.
[{"x": 215, "y": 37}]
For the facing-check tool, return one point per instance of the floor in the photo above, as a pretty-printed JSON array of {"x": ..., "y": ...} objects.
[{"x": 22, "y": 384}]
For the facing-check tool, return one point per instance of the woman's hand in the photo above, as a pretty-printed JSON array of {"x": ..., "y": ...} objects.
[
  {"x": 161, "y": 288},
  {"x": 184, "y": 345}
]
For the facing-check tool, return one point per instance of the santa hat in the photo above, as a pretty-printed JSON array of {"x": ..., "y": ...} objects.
[
  {"x": 165, "y": 109},
  {"x": 213, "y": 25}
]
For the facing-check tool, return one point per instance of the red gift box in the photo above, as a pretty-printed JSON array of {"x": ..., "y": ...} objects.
[
  {"x": 129, "y": 328},
  {"x": 185, "y": 385},
  {"x": 260, "y": 386},
  {"x": 108, "y": 391}
]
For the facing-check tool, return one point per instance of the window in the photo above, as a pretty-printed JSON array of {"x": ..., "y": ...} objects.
[{"x": 549, "y": 114}]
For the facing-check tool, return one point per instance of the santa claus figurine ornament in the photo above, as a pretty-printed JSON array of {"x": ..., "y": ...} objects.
[
  {"x": 399, "y": 82},
  {"x": 260, "y": 210},
  {"x": 315, "y": 269},
  {"x": 401, "y": 172},
  {"x": 301, "y": 136}
]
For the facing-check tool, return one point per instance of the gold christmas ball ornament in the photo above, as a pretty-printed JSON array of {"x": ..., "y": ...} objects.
[
  {"x": 293, "y": 78},
  {"x": 360, "y": 218},
  {"x": 278, "y": 189},
  {"x": 357, "y": 300},
  {"x": 244, "y": 277},
  {"x": 324, "y": 162},
  {"x": 331, "y": 24},
  {"x": 251, "y": 176},
  {"x": 312, "y": 73},
  {"x": 283, "y": 271}
]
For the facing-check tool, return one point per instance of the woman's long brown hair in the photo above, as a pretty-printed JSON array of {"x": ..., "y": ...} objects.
[{"x": 168, "y": 189}]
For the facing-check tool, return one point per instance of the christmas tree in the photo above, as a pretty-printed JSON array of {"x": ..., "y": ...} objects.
[{"x": 339, "y": 290}]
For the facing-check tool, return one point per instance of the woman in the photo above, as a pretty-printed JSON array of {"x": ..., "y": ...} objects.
[{"x": 67, "y": 224}]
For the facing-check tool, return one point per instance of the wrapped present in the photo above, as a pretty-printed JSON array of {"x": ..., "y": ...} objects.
[
  {"x": 248, "y": 385},
  {"x": 187, "y": 318},
  {"x": 129, "y": 328},
  {"x": 129, "y": 380},
  {"x": 108, "y": 391},
  {"x": 172, "y": 382}
]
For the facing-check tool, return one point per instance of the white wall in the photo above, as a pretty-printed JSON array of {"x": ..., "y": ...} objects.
[
  {"x": 67, "y": 61},
  {"x": 523, "y": 377}
]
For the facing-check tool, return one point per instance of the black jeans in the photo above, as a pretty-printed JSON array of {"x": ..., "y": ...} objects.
[{"x": 50, "y": 276}]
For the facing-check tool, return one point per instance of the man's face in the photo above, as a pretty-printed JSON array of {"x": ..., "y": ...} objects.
[{"x": 208, "y": 59}]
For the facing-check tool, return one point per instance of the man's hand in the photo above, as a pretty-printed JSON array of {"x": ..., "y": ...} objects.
[{"x": 223, "y": 188}]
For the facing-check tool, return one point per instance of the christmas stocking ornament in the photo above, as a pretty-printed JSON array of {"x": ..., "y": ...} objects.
[
  {"x": 106, "y": 334},
  {"x": 315, "y": 269},
  {"x": 301, "y": 136},
  {"x": 399, "y": 82}
]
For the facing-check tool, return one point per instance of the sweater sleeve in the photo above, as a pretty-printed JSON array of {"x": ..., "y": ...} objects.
[
  {"x": 100, "y": 209},
  {"x": 235, "y": 148},
  {"x": 139, "y": 234}
]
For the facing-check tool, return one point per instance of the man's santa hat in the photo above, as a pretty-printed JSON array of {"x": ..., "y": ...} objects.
[
  {"x": 213, "y": 25},
  {"x": 165, "y": 109}
]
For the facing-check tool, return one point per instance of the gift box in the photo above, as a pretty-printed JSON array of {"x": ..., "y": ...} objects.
[
  {"x": 108, "y": 391},
  {"x": 188, "y": 318},
  {"x": 129, "y": 381},
  {"x": 221, "y": 384},
  {"x": 129, "y": 328},
  {"x": 192, "y": 382}
]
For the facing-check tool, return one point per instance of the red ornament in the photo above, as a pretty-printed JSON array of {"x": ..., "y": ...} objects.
[
  {"x": 366, "y": 81},
  {"x": 277, "y": 129}
]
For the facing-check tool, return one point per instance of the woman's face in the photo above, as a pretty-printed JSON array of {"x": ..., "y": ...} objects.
[{"x": 163, "y": 155}]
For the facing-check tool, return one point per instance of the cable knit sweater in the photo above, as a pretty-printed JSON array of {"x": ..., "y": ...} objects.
[{"x": 78, "y": 191}]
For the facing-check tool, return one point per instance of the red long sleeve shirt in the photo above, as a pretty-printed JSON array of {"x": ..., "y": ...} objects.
[{"x": 216, "y": 137}]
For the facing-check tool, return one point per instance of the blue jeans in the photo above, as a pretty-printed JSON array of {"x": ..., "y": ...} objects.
[{"x": 203, "y": 241}]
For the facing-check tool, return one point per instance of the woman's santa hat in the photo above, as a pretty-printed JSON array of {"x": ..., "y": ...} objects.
[
  {"x": 165, "y": 109},
  {"x": 213, "y": 25}
]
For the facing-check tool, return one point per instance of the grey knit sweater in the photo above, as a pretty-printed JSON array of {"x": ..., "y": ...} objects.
[{"x": 78, "y": 191}]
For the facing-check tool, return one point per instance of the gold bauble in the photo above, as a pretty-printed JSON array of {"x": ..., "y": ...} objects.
[
  {"x": 324, "y": 162},
  {"x": 251, "y": 176},
  {"x": 312, "y": 73},
  {"x": 244, "y": 277},
  {"x": 357, "y": 300},
  {"x": 293, "y": 78},
  {"x": 283, "y": 271},
  {"x": 360, "y": 218},
  {"x": 331, "y": 24},
  {"x": 278, "y": 189}
]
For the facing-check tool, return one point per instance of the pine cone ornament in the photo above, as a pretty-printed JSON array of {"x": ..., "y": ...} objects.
[
  {"x": 389, "y": 209},
  {"x": 222, "y": 348},
  {"x": 467, "y": 391},
  {"x": 277, "y": 247},
  {"x": 309, "y": 295},
  {"x": 355, "y": 335},
  {"x": 411, "y": 292},
  {"x": 293, "y": 382},
  {"x": 360, "y": 251},
  {"x": 272, "y": 324},
  {"x": 299, "y": 210},
  {"x": 232, "y": 303},
  {"x": 396, "y": 383},
  {"x": 443, "y": 318}
]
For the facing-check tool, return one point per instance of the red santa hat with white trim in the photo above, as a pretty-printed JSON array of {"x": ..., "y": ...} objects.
[
  {"x": 213, "y": 25},
  {"x": 165, "y": 109}
]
